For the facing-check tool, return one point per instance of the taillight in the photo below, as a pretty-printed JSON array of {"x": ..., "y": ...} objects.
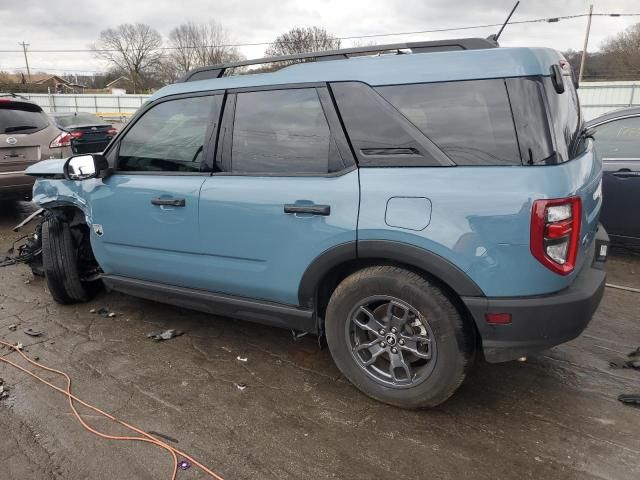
[
  {"x": 62, "y": 140},
  {"x": 555, "y": 233},
  {"x": 76, "y": 134},
  {"x": 112, "y": 132}
]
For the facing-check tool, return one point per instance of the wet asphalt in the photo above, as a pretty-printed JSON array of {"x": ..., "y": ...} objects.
[{"x": 555, "y": 416}]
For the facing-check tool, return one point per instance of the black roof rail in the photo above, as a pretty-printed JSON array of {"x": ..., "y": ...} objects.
[{"x": 217, "y": 71}]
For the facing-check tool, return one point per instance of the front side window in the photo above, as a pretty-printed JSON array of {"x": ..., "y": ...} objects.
[
  {"x": 619, "y": 139},
  {"x": 170, "y": 137},
  {"x": 282, "y": 132},
  {"x": 470, "y": 121}
]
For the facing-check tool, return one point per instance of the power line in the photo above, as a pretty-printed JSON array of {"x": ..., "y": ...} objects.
[{"x": 352, "y": 37}]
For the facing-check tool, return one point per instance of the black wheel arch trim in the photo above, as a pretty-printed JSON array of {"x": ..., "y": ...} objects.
[{"x": 390, "y": 250}]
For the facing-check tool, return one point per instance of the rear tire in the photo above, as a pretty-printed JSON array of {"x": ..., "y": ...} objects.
[
  {"x": 397, "y": 337},
  {"x": 60, "y": 263}
]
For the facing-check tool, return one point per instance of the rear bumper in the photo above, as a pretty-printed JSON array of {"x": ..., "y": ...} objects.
[{"x": 541, "y": 322}]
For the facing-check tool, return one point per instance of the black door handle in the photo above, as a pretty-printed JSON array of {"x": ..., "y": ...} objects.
[
  {"x": 324, "y": 210},
  {"x": 170, "y": 202},
  {"x": 626, "y": 174}
]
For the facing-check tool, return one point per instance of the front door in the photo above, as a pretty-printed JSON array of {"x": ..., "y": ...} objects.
[
  {"x": 285, "y": 191},
  {"x": 618, "y": 145},
  {"x": 145, "y": 215}
]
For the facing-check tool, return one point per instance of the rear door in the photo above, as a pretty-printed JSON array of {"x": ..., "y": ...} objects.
[
  {"x": 618, "y": 145},
  {"x": 285, "y": 190}
]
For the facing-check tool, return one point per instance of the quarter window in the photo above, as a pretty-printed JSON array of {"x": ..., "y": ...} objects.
[
  {"x": 170, "y": 137},
  {"x": 470, "y": 121},
  {"x": 282, "y": 132}
]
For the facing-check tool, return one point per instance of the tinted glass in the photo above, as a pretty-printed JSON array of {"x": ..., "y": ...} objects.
[
  {"x": 565, "y": 117},
  {"x": 619, "y": 139},
  {"x": 380, "y": 136},
  {"x": 281, "y": 131},
  {"x": 470, "y": 121},
  {"x": 170, "y": 137},
  {"x": 530, "y": 116},
  {"x": 78, "y": 119},
  {"x": 21, "y": 119}
]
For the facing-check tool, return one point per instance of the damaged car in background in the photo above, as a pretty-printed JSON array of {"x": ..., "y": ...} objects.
[{"x": 414, "y": 212}]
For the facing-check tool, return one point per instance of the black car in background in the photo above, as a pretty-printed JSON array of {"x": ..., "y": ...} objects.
[
  {"x": 617, "y": 136},
  {"x": 89, "y": 133}
]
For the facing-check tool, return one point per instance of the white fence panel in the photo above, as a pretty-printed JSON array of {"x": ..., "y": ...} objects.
[{"x": 596, "y": 98}]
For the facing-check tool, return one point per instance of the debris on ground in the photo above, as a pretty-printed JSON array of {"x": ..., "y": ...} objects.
[
  {"x": 13, "y": 327},
  {"x": 33, "y": 333},
  {"x": 241, "y": 359},
  {"x": 634, "y": 361},
  {"x": 184, "y": 465},
  {"x": 19, "y": 346},
  {"x": 241, "y": 386},
  {"x": 630, "y": 398},
  {"x": 103, "y": 312},
  {"x": 162, "y": 435},
  {"x": 164, "y": 335},
  {"x": 27, "y": 282},
  {"x": 4, "y": 390}
]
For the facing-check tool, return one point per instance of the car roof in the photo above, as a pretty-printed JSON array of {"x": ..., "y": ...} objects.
[
  {"x": 391, "y": 69},
  {"x": 622, "y": 112}
]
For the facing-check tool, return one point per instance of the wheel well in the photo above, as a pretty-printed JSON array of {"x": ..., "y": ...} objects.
[
  {"x": 77, "y": 221},
  {"x": 333, "y": 277}
]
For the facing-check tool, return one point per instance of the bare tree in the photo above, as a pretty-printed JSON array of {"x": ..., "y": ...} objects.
[
  {"x": 197, "y": 45},
  {"x": 302, "y": 40},
  {"x": 132, "y": 49},
  {"x": 624, "y": 50}
]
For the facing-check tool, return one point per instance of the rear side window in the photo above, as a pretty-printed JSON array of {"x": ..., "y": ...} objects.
[
  {"x": 565, "y": 117},
  {"x": 470, "y": 121},
  {"x": 171, "y": 136},
  {"x": 16, "y": 117},
  {"x": 282, "y": 132}
]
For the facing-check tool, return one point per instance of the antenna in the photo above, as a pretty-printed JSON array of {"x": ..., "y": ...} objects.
[{"x": 497, "y": 35}]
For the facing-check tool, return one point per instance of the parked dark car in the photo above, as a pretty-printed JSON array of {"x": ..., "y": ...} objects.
[
  {"x": 90, "y": 134},
  {"x": 617, "y": 137},
  {"x": 27, "y": 136}
]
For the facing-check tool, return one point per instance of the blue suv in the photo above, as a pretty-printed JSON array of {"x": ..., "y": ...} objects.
[{"x": 414, "y": 204}]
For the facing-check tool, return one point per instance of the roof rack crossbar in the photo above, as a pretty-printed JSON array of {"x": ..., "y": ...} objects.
[{"x": 217, "y": 71}]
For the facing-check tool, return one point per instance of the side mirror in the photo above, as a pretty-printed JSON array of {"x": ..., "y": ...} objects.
[{"x": 84, "y": 167}]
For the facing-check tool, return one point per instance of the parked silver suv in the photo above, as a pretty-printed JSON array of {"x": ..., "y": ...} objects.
[{"x": 27, "y": 135}]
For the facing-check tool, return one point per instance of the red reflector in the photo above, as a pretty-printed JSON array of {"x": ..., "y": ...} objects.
[
  {"x": 498, "y": 318},
  {"x": 560, "y": 229}
]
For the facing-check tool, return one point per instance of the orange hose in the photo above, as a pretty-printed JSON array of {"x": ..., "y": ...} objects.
[{"x": 145, "y": 436}]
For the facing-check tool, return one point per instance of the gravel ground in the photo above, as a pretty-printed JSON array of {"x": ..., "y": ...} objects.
[{"x": 554, "y": 417}]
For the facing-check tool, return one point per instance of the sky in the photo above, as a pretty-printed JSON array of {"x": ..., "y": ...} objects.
[{"x": 74, "y": 24}]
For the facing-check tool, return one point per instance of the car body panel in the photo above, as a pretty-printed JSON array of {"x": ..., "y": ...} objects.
[
  {"x": 620, "y": 155},
  {"x": 483, "y": 225}
]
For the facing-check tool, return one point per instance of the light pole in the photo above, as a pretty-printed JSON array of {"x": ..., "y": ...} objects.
[
  {"x": 26, "y": 61},
  {"x": 586, "y": 41}
]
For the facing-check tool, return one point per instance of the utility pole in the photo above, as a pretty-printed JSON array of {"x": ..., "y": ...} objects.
[
  {"x": 586, "y": 42},
  {"x": 26, "y": 60}
]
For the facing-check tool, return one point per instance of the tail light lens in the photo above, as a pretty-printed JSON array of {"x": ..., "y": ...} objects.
[
  {"x": 555, "y": 233},
  {"x": 112, "y": 132},
  {"x": 77, "y": 134},
  {"x": 62, "y": 140}
]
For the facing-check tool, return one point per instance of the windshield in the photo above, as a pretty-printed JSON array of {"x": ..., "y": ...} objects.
[
  {"x": 16, "y": 118},
  {"x": 78, "y": 119}
]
